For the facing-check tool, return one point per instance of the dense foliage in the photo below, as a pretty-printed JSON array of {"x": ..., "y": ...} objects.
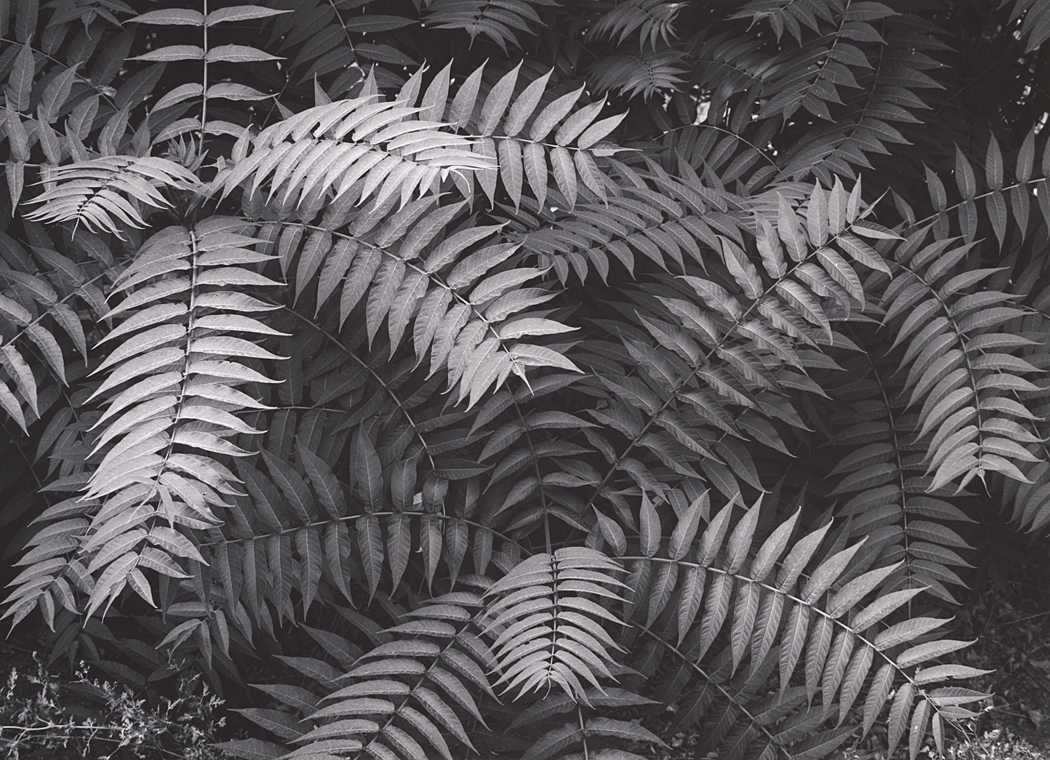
[{"x": 514, "y": 376}]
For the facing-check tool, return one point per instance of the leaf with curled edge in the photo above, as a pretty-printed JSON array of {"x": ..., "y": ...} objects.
[
  {"x": 906, "y": 631},
  {"x": 930, "y": 650},
  {"x": 425, "y": 728},
  {"x": 742, "y": 270},
  {"x": 878, "y": 692},
  {"x": 554, "y": 741},
  {"x": 686, "y": 528},
  {"x": 773, "y": 547},
  {"x": 358, "y": 280},
  {"x": 496, "y": 102},
  {"x": 454, "y": 688},
  {"x": 14, "y": 311},
  {"x": 799, "y": 556},
  {"x": 741, "y": 538},
  {"x": 442, "y": 713},
  {"x": 525, "y": 104},
  {"x": 294, "y": 488},
  {"x": 111, "y": 582},
  {"x": 662, "y": 587},
  {"x": 690, "y": 597},
  {"x": 49, "y": 347},
  {"x": 468, "y": 271},
  {"x": 19, "y": 370},
  {"x": 611, "y": 532},
  {"x": 863, "y": 253},
  {"x": 432, "y": 312},
  {"x": 511, "y": 169},
  {"x": 564, "y": 174},
  {"x": 817, "y": 650},
  {"x": 388, "y": 281},
  {"x": 407, "y": 298},
  {"x": 847, "y": 597},
  {"x": 487, "y": 365},
  {"x": 716, "y": 608},
  {"x": 804, "y": 304},
  {"x": 828, "y": 572},
  {"x": 599, "y": 130},
  {"x": 340, "y": 729},
  {"x": 792, "y": 642},
  {"x": 308, "y": 544},
  {"x": 745, "y": 616},
  {"x": 621, "y": 730},
  {"x": 713, "y": 536}
]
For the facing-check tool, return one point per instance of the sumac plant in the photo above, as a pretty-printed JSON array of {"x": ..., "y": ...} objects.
[{"x": 455, "y": 378}]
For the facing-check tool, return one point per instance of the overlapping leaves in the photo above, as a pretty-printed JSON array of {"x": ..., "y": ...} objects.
[
  {"x": 532, "y": 141},
  {"x": 881, "y": 476},
  {"x": 744, "y": 610},
  {"x": 962, "y": 371},
  {"x": 172, "y": 393},
  {"x": 31, "y": 301},
  {"x": 501, "y": 21},
  {"x": 548, "y": 621},
  {"x": 712, "y": 304},
  {"x": 449, "y": 288},
  {"x": 407, "y": 697},
  {"x": 101, "y": 193},
  {"x": 362, "y": 146}
]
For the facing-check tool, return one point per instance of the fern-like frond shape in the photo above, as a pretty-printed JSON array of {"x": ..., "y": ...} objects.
[
  {"x": 29, "y": 59},
  {"x": 172, "y": 388},
  {"x": 962, "y": 371},
  {"x": 1002, "y": 200},
  {"x": 458, "y": 297},
  {"x": 101, "y": 192},
  {"x": 811, "y": 75},
  {"x": 425, "y": 388},
  {"x": 645, "y": 73},
  {"x": 730, "y": 599},
  {"x": 328, "y": 41},
  {"x": 543, "y": 722},
  {"x": 30, "y": 295},
  {"x": 547, "y": 619},
  {"x": 499, "y": 20},
  {"x": 880, "y": 113},
  {"x": 626, "y": 231},
  {"x": 883, "y": 480},
  {"x": 793, "y": 16},
  {"x": 722, "y": 157},
  {"x": 405, "y": 698},
  {"x": 983, "y": 197},
  {"x": 532, "y": 141},
  {"x": 362, "y": 147},
  {"x": 353, "y": 536},
  {"x": 1030, "y": 502},
  {"x": 721, "y": 351},
  {"x": 652, "y": 20},
  {"x": 294, "y": 525}
]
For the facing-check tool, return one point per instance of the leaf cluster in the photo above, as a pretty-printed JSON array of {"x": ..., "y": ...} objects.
[{"x": 625, "y": 356}]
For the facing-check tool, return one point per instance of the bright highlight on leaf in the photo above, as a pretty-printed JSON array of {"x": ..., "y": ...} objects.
[{"x": 640, "y": 369}]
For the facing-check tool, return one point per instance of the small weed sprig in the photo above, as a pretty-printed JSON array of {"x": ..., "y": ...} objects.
[{"x": 92, "y": 718}]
